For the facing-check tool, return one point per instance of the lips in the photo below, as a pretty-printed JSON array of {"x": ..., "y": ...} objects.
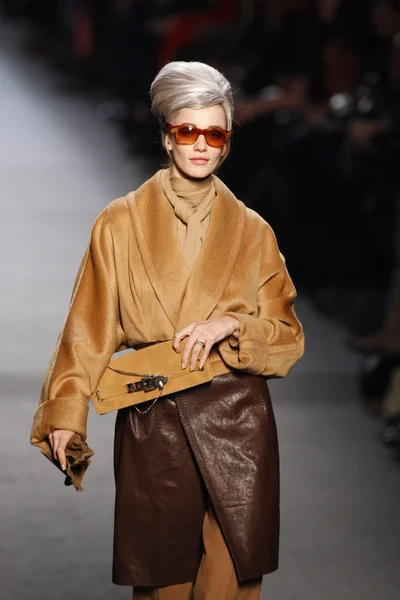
[{"x": 199, "y": 161}]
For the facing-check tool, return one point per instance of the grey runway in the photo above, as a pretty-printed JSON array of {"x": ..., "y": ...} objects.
[{"x": 340, "y": 527}]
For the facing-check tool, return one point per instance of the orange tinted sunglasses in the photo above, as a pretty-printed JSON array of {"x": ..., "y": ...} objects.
[{"x": 189, "y": 134}]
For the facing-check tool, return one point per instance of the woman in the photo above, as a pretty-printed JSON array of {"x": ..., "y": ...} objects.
[{"x": 197, "y": 473}]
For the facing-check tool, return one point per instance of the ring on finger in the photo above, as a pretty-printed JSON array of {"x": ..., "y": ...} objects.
[{"x": 202, "y": 344}]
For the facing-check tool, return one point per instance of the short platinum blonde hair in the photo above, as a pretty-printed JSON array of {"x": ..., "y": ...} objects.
[{"x": 180, "y": 84}]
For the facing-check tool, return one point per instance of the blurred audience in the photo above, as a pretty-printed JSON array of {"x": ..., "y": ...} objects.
[{"x": 318, "y": 104}]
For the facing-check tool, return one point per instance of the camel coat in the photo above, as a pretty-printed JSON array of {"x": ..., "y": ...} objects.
[{"x": 133, "y": 287}]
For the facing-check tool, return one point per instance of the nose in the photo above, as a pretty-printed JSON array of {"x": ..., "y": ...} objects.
[{"x": 200, "y": 144}]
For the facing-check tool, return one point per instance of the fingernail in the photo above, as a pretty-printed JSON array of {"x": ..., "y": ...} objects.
[
  {"x": 201, "y": 368},
  {"x": 183, "y": 365},
  {"x": 191, "y": 368},
  {"x": 63, "y": 467}
]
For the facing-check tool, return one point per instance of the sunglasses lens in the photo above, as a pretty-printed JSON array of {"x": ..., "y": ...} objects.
[
  {"x": 215, "y": 137},
  {"x": 186, "y": 135}
]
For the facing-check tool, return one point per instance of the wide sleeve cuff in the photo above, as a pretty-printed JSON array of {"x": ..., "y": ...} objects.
[
  {"x": 70, "y": 414},
  {"x": 265, "y": 347},
  {"x": 250, "y": 352}
]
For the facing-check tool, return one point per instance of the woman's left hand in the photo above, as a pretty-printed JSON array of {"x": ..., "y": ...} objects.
[{"x": 209, "y": 332}]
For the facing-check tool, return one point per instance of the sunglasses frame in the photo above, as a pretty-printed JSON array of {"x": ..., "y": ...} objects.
[{"x": 174, "y": 130}]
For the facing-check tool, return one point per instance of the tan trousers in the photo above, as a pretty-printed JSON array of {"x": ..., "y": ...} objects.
[{"x": 216, "y": 577}]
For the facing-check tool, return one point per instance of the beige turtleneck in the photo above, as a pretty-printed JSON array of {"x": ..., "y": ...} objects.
[{"x": 192, "y": 200}]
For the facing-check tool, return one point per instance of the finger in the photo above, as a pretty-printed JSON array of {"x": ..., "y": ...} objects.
[
  {"x": 176, "y": 344},
  {"x": 180, "y": 335},
  {"x": 197, "y": 349},
  {"x": 61, "y": 455},
  {"x": 56, "y": 441},
  {"x": 204, "y": 356},
  {"x": 189, "y": 349}
]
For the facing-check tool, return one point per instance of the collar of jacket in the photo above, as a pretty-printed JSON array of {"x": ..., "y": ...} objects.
[{"x": 186, "y": 297}]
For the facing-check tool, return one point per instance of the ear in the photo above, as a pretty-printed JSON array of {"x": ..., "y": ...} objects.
[
  {"x": 167, "y": 142},
  {"x": 225, "y": 149}
]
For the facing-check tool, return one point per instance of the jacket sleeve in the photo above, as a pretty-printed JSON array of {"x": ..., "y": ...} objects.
[
  {"x": 92, "y": 332},
  {"x": 273, "y": 341}
]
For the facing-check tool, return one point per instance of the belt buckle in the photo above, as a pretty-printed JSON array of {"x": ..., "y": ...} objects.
[{"x": 147, "y": 384}]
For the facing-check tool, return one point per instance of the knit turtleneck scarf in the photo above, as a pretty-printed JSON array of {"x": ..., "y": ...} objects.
[{"x": 192, "y": 200}]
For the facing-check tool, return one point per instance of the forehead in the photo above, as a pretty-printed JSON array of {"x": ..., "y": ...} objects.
[{"x": 202, "y": 117}]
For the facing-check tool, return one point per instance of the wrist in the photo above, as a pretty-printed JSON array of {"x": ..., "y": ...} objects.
[{"x": 234, "y": 333}]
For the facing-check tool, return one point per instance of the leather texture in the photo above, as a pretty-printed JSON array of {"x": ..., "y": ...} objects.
[
  {"x": 217, "y": 440},
  {"x": 216, "y": 577}
]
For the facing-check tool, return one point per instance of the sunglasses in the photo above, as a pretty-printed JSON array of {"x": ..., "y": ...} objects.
[{"x": 189, "y": 134}]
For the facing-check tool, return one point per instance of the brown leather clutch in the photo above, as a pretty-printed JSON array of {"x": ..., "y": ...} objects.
[{"x": 146, "y": 374}]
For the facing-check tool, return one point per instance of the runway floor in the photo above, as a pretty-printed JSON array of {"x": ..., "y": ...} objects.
[{"x": 60, "y": 165}]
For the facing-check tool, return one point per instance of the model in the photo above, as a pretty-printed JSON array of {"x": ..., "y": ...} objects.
[{"x": 181, "y": 259}]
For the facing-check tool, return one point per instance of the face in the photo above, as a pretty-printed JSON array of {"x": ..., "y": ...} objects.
[{"x": 198, "y": 160}]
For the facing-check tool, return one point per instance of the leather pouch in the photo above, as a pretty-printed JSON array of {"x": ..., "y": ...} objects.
[{"x": 145, "y": 374}]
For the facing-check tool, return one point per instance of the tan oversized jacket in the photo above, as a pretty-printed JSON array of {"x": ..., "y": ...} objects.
[{"x": 132, "y": 287}]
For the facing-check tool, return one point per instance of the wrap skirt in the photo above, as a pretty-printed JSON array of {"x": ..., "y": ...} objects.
[{"x": 218, "y": 441}]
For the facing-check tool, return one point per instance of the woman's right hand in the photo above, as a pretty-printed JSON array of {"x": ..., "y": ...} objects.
[{"x": 59, "y": 439}]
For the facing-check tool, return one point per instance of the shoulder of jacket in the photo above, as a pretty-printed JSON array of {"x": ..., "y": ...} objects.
[
  {"x": 112, "y": 214},
  {"x": 119, "y": 208},
  {"x": 116, "y": 211},
  {"x": 255, "y": 220},
  {"x": 267, "y": 234}
]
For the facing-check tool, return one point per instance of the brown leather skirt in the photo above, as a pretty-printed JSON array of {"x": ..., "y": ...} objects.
[{"x": 215, "y": 441}]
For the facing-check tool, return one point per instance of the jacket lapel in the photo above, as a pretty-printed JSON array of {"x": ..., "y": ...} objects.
[
  {"x": 155, "y": 228},
  {"x": 213, "y": 268},
  {"x": 186, "y": 298}
]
